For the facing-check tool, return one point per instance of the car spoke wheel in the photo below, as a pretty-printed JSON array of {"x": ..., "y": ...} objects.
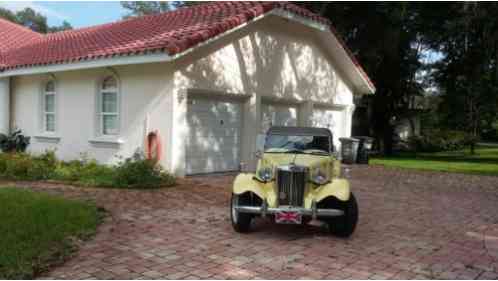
[
  {"x": 344, "y": 226},
  {"x": 241, "y": 222}
]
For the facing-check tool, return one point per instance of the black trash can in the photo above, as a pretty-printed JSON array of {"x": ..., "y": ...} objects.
[
  {"x": 364, "y": 148},
  {"x": 349, "y": 150}
]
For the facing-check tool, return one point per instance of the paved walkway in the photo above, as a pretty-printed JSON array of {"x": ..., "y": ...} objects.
[{"x": 412, "y": 225}]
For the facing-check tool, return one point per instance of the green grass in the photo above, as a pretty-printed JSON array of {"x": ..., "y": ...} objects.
[
  {"x": 484, "y": 162},
  {"x": 37, "y": 230}
]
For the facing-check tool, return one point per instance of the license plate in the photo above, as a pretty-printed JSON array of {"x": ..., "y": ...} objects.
[{"x": 288, "y": 217}]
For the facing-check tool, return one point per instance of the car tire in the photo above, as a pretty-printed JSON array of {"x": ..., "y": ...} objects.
[
  {"x": 345, "y": 225},
  {"x": 241, "y": 222}
]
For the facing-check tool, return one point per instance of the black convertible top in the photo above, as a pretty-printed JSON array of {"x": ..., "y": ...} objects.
[{"x": 300, "y": 131}]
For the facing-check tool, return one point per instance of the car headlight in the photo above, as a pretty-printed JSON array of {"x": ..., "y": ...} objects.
[
  {"x": 319, "y": 177},
  {"x": 265, "y": 174}
]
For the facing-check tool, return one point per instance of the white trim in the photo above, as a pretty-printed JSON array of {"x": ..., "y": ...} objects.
[
  {"x": 106, "y": 140},
  {"x": 282, "y": 101},
  {"x": 163, "y": 57},
  {"x": 47, "y": 138},
  {"x": 43, "y": 102},
  {"x": 330, "y": 106},
  {"x": 95, "y": 63},
  {"x": 100, "y": 114},
  {"x": 299, "y": 19}
]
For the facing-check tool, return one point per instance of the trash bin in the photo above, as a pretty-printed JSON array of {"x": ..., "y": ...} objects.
[
  {"x": 364, "y": 148},
  {"x": 349, "y": 150}
]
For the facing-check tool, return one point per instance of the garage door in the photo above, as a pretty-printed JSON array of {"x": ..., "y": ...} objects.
[
  {"x": 277, "y": 115},
  {"x": 214, "y": 136},
  {"x": 328, "y": 118}
]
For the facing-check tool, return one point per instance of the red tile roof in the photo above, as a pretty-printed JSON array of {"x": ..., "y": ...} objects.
[
  {"x": 14, "y": 36},
  {"x": 171, "y": 32}
]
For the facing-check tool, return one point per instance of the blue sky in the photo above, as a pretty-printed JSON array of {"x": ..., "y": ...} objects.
[{"x": 79, "y": 14}]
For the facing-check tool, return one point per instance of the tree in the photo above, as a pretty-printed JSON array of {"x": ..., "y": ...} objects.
[
  {"x": 8, "y": 15},
  {"x": 65, "y": 26},
  {"x": 467, "y": 35},
  {"x": 386, "y": 38},
  {"x": 141, "y": 8},
  {"x": 32, "y": 20}
]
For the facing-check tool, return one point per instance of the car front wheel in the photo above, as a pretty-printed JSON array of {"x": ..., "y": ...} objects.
[
  {"x": 241, "y": 222},
  {"x": 344, "y": 226}
]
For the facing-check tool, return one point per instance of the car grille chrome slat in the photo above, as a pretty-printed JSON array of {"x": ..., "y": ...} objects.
[{"x": 291, "y": 181}]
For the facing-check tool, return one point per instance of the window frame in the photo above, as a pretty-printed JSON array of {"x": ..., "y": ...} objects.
[
  {"x": 100, "y": 106},
  {"x": 44, "y": 111}
]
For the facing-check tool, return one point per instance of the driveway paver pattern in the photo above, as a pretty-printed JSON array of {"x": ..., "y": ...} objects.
[{"x": 413, "y": 225}]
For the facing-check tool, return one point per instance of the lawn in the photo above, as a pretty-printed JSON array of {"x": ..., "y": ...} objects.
[
  {"x": 484, "y": 162},
  {"x": 37, "y": 230}
]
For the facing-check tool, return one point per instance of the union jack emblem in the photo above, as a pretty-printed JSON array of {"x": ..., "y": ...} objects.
[{"x": 288, "y": 217}]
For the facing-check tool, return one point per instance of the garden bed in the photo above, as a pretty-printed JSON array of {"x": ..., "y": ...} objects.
[{"x": 133, "y": 172}]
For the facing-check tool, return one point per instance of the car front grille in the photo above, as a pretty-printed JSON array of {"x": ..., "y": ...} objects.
[{"x": 291, "y": 182}]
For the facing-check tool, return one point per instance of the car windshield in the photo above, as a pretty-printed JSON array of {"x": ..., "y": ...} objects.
[{"x": 297, "y": 144}]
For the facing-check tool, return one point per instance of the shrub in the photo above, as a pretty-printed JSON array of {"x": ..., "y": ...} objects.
[
  {"x": 133, "y": 172},
  {"x": 15, "y": 142},
  {"x": 22, "y": 166},
  {"x": 441, "y": 140},
  {"x": 137, "y": 171},
  {"x": 3, "y": 162},
  {"x": 85, "y": 172}
]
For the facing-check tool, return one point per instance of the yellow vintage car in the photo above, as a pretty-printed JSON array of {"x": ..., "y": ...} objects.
[{"x": 298, "y": 178}]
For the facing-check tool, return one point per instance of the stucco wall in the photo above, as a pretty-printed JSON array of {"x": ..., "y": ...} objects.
[
  {"x": 272, "y": 60},
  {"x": 145, "y": 93},
  {"x": 4, "y": 105}
]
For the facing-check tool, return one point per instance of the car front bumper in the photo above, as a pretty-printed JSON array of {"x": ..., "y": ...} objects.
[{"x": 313, "y": 212}]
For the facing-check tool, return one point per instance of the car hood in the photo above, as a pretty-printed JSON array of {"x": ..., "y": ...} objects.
[{"x": 307, "y": 160}]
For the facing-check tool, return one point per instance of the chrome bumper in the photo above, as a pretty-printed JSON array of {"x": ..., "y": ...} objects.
[{"x": 314, "y": 212}]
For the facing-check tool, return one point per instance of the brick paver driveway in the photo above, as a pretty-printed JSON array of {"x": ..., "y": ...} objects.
[{"x": 412, "y": 225}]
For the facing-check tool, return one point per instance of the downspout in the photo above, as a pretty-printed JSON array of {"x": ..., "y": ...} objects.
[{"x": 5, "y": 105}]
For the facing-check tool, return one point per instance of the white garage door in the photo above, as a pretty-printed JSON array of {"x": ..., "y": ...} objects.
[
  {"x": 214, "y": 136},
  {"x": 328, "y": 118},
  {"x": 277, "y": 115}
]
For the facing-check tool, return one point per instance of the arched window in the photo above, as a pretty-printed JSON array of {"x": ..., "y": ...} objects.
[
  {"x": 49, "y": 107},
  {"x": 109, "y": 106}
]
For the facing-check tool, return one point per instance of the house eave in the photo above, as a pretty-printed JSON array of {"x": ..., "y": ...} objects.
[
  {"x": 361, "y": 82},
  {"x": 87, "y": 64}
]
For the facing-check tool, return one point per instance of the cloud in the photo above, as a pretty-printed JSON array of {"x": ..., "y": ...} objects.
[{"x": 19, "y": 6}]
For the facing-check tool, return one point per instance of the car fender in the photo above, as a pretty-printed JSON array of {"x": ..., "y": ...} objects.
[
  {"x": 247, "y": 183},
  {"x": 338, "y": 188}
]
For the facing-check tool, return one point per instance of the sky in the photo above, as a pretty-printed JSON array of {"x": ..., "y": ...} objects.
[{"x": 77, "y": 13}]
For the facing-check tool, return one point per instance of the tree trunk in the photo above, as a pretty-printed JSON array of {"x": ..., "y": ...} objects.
[
  {"x": 411, "y": 120},
  {"x": 388, "y": 140}
]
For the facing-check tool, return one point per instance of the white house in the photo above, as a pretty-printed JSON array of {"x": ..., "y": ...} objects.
[{"x": 207, "y": 78}]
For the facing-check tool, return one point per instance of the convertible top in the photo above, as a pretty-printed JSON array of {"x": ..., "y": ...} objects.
[{"x": 300, "y": 131}]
